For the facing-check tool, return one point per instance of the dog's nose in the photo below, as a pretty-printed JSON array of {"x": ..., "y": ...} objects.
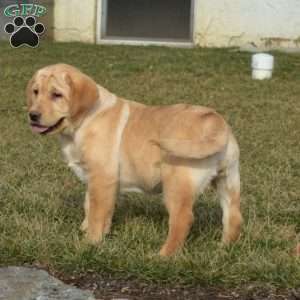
[{"x": 34, "y": 116}]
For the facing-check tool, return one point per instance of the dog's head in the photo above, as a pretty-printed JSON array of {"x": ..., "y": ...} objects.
[{"x": 58, "y": 96}]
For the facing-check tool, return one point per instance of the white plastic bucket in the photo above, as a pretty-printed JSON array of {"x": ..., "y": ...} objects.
[{"x": 262, "y": 66}]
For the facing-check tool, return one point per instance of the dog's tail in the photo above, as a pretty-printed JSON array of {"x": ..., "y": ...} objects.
[{"x": 228, "y": 185}]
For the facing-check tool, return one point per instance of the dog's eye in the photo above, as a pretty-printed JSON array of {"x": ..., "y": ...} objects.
[
  {"x": 56, "y": 95},
  {"x": 36, "y": 91}
]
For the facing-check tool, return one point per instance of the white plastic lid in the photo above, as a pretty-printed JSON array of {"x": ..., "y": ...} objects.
[{"x": 262, "y": 61}]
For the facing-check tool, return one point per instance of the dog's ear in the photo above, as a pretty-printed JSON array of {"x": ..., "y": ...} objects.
[{"x": 83, "y": 94}]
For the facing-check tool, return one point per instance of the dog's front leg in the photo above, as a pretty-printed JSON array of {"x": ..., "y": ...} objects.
[
  {"x": 101, "y": 195},
  {"x": 85, "y": 224}
]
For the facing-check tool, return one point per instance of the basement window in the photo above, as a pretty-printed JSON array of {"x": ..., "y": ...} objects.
[{"x": 147, "y": 20}]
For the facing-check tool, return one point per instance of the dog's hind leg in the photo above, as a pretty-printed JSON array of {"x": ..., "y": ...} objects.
[{"x": 179, "y": 195}]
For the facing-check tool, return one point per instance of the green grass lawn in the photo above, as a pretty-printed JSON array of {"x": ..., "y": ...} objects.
[{"x": 41, "y": 200}]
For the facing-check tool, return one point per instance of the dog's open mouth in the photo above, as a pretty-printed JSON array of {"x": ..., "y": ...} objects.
[{"x": 38, "y": 128}]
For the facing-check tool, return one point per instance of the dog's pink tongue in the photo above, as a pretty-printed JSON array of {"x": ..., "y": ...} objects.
[{"x": 38, "y": 129}]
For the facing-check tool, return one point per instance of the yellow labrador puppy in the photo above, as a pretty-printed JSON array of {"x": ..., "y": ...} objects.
[{"x": 114, "y": 144}]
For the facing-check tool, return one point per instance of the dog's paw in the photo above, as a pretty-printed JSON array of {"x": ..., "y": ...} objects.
[
  {"x": 93, "y": 237},
  {"x": 166, "y": 252},
  {"x": 84, "y": 225}
]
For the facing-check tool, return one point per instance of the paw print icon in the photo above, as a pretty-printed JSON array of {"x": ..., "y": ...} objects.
[{"x": 24, "y": 32}]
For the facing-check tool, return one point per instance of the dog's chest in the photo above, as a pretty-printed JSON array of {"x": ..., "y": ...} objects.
[{"x": 72, "y": 157}]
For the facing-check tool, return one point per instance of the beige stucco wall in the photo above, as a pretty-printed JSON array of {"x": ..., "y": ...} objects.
[
  {"x": 222, "y": 23},
  {"x": 217, "y": 23},
  {"x": 74, "y": 20}
]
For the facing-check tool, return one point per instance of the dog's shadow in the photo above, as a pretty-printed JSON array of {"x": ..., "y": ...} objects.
[
  {"x": 207, "y": 211},
  {"x": 131, "y": 206}
]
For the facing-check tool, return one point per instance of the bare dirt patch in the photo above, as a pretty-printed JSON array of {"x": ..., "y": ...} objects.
[{"x": 105, "y": 288}]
